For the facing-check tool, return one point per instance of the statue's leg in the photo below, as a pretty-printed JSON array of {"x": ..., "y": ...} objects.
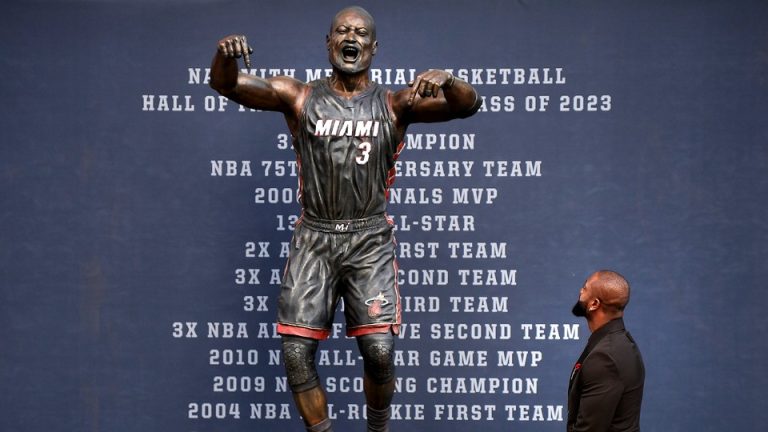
[
  {"x": 308, "y": 394},
  {"x": 377, "y": 350}
]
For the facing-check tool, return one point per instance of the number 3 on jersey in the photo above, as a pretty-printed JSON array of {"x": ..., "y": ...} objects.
[{"x": 365, "y": 149}]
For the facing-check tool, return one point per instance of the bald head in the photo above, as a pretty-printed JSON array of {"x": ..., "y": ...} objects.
[
  {"x": 359, "y": 11},
  {"x": 611, "y": 288}
]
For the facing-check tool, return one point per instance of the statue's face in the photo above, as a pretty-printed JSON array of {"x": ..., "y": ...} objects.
[{"x": 351, "y": 42}]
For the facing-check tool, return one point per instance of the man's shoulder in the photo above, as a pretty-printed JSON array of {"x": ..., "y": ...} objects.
[{"x": 619, "y": 345}]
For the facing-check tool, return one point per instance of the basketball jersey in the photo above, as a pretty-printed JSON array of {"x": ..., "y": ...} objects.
[{"x": 346, "y": 151}]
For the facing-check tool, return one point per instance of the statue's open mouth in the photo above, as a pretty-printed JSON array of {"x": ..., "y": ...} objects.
[{"x": 349, "y": 53}]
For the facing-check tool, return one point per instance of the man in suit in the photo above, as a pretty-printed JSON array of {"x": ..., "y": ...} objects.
[{"x": 606, "y": 386}]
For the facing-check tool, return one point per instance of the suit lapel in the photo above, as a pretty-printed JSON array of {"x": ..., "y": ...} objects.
[{"x": 594, "y": 338}]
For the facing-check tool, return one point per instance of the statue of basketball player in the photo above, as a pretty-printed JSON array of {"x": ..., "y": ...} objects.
[{"x": 347, "y": 133}]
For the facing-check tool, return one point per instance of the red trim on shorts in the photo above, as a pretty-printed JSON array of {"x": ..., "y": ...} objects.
[
  {"x": 398, "y": 306},
  {"x": 374, "y": 328},
  {"x": 291, "y": 330}
]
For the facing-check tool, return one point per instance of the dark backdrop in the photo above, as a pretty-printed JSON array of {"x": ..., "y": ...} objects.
[{"x": 117, "y": 227}]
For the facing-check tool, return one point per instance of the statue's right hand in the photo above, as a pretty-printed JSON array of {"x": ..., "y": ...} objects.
[{"x": 236, "y": 46}]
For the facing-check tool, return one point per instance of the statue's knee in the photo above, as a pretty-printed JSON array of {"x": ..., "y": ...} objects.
[
  {"x": 299, "y": 359},
  {"x": 378, "y": 356}
]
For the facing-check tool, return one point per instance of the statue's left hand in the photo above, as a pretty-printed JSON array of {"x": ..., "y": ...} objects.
[{"x": 429, "y": 83}]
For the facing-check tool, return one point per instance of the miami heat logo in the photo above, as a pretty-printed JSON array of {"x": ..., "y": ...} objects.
[{"x": 375, "y": 304}]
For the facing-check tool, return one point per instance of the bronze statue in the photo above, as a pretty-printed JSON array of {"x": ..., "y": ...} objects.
[{"x": 347, "y": 133}]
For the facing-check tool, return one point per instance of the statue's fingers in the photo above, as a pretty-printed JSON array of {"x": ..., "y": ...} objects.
[
  {"x": 246, "y": 52},
  {"x": 414, "y": 89}
]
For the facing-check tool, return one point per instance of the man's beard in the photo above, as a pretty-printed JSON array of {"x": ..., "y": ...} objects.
[{"x": 579, "y": 309}]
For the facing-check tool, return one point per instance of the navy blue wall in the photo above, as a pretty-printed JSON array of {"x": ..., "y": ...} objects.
[{"x": 117, "y": 229}]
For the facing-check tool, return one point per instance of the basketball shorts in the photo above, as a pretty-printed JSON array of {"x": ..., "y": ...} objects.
[{"x": 352, "y": 260}]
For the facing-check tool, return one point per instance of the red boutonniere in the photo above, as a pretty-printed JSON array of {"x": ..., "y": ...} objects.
[{"x": 576, "y": 367}]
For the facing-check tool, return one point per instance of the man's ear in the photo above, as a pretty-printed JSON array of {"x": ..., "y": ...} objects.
[
  {"x": 593, "y": 305},
  {"x": 328, "y": 42},
  {"x": 375, "y": 47}
]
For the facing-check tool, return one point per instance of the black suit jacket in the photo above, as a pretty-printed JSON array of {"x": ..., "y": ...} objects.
[{"x": 606, "y": 387}]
